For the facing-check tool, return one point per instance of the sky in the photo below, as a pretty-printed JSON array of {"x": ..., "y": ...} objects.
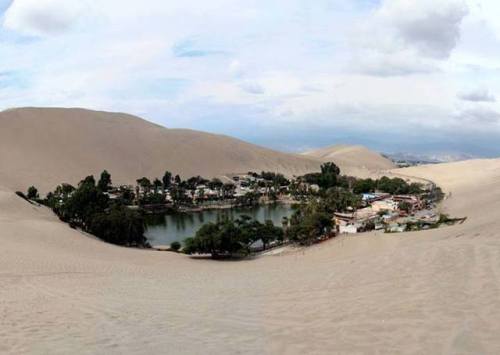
[{"x": 417, "y": 76}]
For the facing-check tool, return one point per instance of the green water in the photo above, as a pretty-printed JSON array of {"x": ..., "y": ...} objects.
[{"x": 165, "y": 229}]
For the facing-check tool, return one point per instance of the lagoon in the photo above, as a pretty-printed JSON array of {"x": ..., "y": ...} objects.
[{"x": 165, "y": 229}]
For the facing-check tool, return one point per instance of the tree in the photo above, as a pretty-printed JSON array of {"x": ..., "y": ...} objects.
[
  {"x": 33, "y": 193},
  {"x": 364, "y": 185},
  {"x": 145, "y": 183},
  {"x": 177, "y": 179},
  {"x": 120, "y": 226},
  {"x": 157, "y": 184},
  {"x": 104, "y": 182},
  {"x": 84, "y": 202},
  {"x": 89, "y": 180},
  {"x": 327, "y": 178},
  {"x": 395, "y": 186},
  {"x": 309, "y": 223},
  {"x": 268, "y": 233},
  {"x": 215, "y": 184},
  {"x": 228, "y": 189},
  {"x": 175, "y": 246},
  {"x": 167, "y": 180},
  {"x": 230, "y": 238},
  {"x": 329, "y": 175},
  {"x": 178, "y": 195},
  {"x": 339, "y": 200}
]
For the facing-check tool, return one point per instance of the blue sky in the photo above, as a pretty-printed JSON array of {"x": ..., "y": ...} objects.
[{"x": 395, "y": 75}]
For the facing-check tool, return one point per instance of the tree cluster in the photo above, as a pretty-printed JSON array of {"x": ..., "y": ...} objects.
[
  {"x": 88, "y": 207},
  {"x": 232, "y": 238},
  {"x": 394, "y": 186}
]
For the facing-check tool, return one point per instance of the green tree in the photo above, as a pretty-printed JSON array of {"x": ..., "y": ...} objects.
[
  {"x": 175, "y": 246},
  {"x": 120, "y": 226},
  {"x": 309, "y": 223},
  {"x": 104, "y": 183},
  {"x": 145, "y": 183},
  {"x": 215, "y": 184},
  {"x": 33, "y": 193},
  {"x": 167, "y": 180},
  {"x": 364, "y": 186},
  {"x": 268, "y": 233},
  {"x": 157, "y": 184}
]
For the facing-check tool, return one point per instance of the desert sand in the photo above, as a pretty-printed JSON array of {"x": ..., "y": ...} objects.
[
  {"x": 352, "y": 159},
  {"x": 63, "y": 292},
  {"x": 47, "y": 146},
  {"x": 427, "y": 292}
]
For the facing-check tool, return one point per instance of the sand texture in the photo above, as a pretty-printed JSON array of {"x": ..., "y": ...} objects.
[
  {"x": 47, "y": 146},
  {"x": 352, "y": 159},
  {"x": 432, "y": 292}
]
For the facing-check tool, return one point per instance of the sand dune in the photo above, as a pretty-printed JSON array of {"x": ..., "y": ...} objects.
[
  {"x": 352, "y": 159},
  {"x": 428, "y": 292},
  {"x": 48, "y": 146}
]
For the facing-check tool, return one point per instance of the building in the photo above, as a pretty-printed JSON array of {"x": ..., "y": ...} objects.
[{"x": 385, "y": 205}]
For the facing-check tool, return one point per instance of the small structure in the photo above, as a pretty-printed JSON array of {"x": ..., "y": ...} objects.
[{"x": 385, "y": 205}]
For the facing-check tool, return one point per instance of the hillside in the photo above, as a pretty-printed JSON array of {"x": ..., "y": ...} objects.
[
  {"x": 433, "y": 291},
  {"x": 352, "y": 158},
  {"x": 47, "y": 146}
]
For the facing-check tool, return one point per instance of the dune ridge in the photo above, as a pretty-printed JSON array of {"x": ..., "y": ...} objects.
[
  {"x": 47, "y": 146},
  {"x": 62, "y": 291},
  {"x": 352, "y": 159}
]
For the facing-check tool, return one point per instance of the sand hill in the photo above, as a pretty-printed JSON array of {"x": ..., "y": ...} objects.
[
  {"x": 47, "y": 146},
  {"x": 428, "y": 292},
  {"x": 352, "y": 158},
  {"x": 62, "y": 292}
]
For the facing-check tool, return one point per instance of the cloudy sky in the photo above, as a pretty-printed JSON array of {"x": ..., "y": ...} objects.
[{"x": 395, "y": 75}]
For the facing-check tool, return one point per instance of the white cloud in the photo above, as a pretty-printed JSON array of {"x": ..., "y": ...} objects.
[
  {"x": 479, "y": 115},
  {"x": 431, "y": 27},
  {"x": 43, "y": 17},
  {"x": 405, "y": 37},
  {"x": 398, "y": 63},
  {"x": 477, "y": 95}
]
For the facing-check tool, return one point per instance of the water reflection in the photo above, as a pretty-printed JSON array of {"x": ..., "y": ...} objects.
[{"x": 165, "y": 229}]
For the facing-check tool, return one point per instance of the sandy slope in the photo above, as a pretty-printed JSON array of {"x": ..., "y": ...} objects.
[
  {"x": 49, "y": 146},
  {"x": 429, "y": 292},
  {"x": 352, "y": 159}
]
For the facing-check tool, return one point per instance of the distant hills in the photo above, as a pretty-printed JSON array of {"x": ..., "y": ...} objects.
[
  {"x": 352, "y": 158},
  {"x": 419, "y": 159}
]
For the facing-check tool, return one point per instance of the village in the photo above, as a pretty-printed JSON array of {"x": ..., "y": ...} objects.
[
  {"x": 389, "y": 213},
  {"x": 380, "y": 211}
]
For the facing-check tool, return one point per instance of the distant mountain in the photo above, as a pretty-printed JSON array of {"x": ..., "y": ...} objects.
[
  {"x": 47, "y": 146},
  {"x": 419, "y": 159},
  {"x": 352, "y": 157}
]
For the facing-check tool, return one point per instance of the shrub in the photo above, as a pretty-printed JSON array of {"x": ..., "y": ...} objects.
[
  {"x": 175, "y": 246},
  {"x": 33, "y": 193}
]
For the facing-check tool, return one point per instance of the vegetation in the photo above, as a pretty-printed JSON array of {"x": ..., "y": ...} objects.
[
  {"x": 310, "y": 223},
  {"x": 89, "y": 208},
  {"x": 394, "y": 186},
  {"x": 32, "y": 193},
  {"x": 175, "y": 246},
  {"x": 327, "y": 178},
  {"x": 103, "y": 210},
  {"x": 231, "y": 238}
]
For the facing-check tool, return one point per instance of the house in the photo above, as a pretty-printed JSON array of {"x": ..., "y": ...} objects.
[
  {"x": 414, "y": 201},
  {"x": 354, "y": 222},
  {"x": 375, "y": 196},
  {"x": 396, "y": 228},
  {"x": 385, "y": 205},
  {"x": 348, "y": 228}
]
